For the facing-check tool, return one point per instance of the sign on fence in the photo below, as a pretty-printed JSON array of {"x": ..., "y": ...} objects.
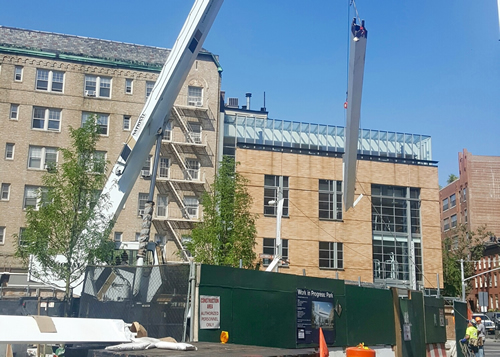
[
  {"x": 209, "y": 312},
  {"x": 315, "y": 309}
]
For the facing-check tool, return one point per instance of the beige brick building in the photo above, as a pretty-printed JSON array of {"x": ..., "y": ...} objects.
[
  {"x": 49, "y": 82},
  {"x": 390, "y": 237}
]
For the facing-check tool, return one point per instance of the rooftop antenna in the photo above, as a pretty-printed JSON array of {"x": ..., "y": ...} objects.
[{"x": 264, "y": 107}]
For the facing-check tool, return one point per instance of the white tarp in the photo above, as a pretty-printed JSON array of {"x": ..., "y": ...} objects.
[{"x": 26, "y": 329}]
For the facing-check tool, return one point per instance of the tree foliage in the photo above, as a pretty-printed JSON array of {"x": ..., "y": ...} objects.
[
  {"x": 451, "y": 178},
  {"x": 65, "y": 231},
  {"x": 461, "y": 244},
  {"x": 227, "y": 233}
]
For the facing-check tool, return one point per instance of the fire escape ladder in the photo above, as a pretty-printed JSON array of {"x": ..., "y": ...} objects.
[
  {"x": 181, "y": 161},
  {"x": 179, "y": 199},
  {"x": 178, "y": 241},
  {"x": 183, "y": 125}
]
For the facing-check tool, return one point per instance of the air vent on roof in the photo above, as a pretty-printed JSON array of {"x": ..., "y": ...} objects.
[{"x": 232, "y": 102}]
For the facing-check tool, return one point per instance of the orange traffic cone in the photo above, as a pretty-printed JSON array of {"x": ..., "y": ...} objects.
[{"x": 323, "y": 348}]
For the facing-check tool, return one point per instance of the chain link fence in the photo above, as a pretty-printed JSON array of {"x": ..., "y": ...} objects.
[{"x": 154, "y": 296}]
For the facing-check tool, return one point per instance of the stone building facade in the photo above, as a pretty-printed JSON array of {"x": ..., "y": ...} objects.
[{"x": 49, "y": 82}]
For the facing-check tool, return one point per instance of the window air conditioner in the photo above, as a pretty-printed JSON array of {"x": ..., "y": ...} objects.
[
  {"x": 141, "y": 212},
  {"x": 90, "y": 93},
  {"x": 195, "y": 104},
  {"x": 145, "y": 174}
]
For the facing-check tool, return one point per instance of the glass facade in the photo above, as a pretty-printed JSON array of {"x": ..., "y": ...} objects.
[
  {"x": 397, "y": 249},
  {"x": 327, "y": 138}
]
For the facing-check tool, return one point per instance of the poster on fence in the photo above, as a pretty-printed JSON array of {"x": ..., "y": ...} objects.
[
  {"x": 315, "y": 309},
  {"x": 209, "y": 312}
]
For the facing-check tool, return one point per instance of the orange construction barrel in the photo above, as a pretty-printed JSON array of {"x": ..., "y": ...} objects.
[{"x": 359, "y": 352}]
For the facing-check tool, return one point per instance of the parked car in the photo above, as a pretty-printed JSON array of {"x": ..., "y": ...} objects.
[
  {"x": 494, "y": 316},
  {"x": 488, "y": 324}
]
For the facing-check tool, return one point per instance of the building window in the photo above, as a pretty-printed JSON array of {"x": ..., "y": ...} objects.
[
  {"x": 42, "y": 157},
  {"x": 34, "y": 196},
  {"x": 146, "y": 168},
  {"x": 185, "y": 239},
  {"x": 396, "y": 233},
  {"x": 161, "y": 205},
  {"x": 496, "y": 279},
  {"x": 331, "y": 255},
  {"x": 271, "y": 187},
  {"x": 445, "y": 204},
  {"x": 269, "y": 248},
  {"x": 118, "y": 236},
  {"x": 21, "y": 239},
  {"x": 128, "y": 85},
  {"x": 102, "y": 121},
  {"x": 330, "y": 199},
  {"x": 51, "y": 81},
  {"x": 46, "y": 119},
  {"x": 97, "y": 164},
  {"x": 18, "y": 73},
  {"x": 194, "y": 132},
  {"x": 9, "y": 151},
  {"x": 14, "y": 112},
  {"x": 195, "y": 96},
  {"x": 126, "y": 122},
  {"x": 464, "y": 192},
  {"x": 160, "y": 239},
  {"x": 453, "y": 200},
  {"x": 454, "y": 221},
  {"x": 5, "y": 192},
  {"x": 149, "y": 88},
  {"x": 167, "y": 133},
  {"x": 96, "y": 86},
  {"x": 137, "y": 236},
  {"x": 446, "y": 224},
  {"x": 143, "y": 198},
  {"x": 465, "y": 215},
  {"x": 164, "y": 167},
  {"x": 191, "y": 204},
  {"x": 2, "y": 235},
  {"x": 193, "y": 169}
]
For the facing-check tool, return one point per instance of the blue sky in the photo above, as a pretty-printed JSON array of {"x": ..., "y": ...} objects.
[{"x": 432, "y": 67}]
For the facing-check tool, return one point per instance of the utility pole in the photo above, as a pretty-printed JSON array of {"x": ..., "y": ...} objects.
[{"x": 462, "y": 279}]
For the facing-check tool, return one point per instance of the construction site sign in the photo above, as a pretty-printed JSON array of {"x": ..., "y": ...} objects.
[
  {"x": 315, "y": 309},
  {"x": 209, "y": 312}
]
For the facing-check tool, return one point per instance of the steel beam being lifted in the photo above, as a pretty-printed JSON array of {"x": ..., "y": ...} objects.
[{"x": 354, "y": 91}]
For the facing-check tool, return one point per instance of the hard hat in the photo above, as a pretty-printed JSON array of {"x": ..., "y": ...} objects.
[{"x": 478, "y": 319}]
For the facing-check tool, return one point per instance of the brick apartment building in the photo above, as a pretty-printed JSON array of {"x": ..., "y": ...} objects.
[
  {"x": 474, "y": 200},
  {"x": 50, "y": 81}
]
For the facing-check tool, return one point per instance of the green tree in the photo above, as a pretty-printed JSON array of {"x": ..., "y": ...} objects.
[
  {"x": 64, "y": 231},
  {"x": 451, "y": 178},
  {"x": 227, "y": 233},
  {"x": 461, "y": 243}
]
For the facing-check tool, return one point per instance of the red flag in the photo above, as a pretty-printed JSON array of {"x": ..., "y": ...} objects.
[{"x": 323, "y": 348}]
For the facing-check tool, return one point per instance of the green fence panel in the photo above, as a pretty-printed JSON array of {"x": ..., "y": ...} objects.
[
  {"x": 260, "y": 308},
  {"x": 412, "y": 325},
  {"x": 435, "y": 323},
  {"x": 370, "y": 316},
  {"x": 460, "y": 312}
]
